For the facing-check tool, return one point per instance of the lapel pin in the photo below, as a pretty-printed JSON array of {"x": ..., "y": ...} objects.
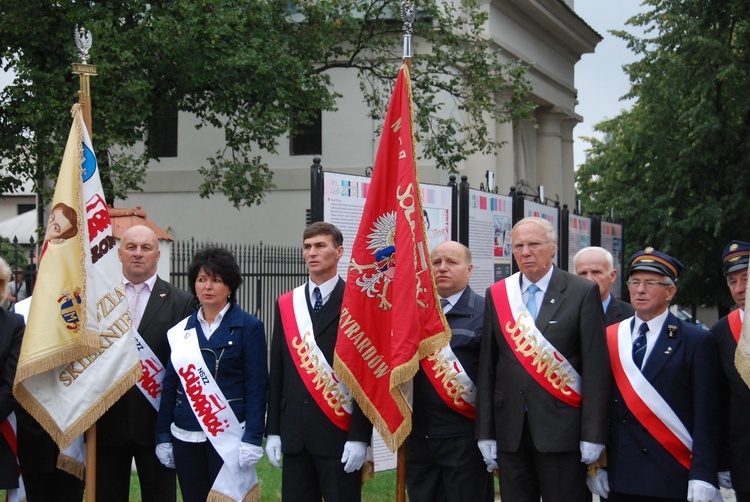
[
  {"x": 552, "y": 300},
  {"x": 671, "y": 331},
  {"x": 162, "y": 295},
  {"x": 668, "y": 351}
]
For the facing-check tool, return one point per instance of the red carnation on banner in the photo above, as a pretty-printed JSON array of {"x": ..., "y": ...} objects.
[{"x": 389, "y": 316}]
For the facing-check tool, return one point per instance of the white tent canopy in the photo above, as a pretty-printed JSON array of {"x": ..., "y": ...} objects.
[{"x": 22, "y": 226}]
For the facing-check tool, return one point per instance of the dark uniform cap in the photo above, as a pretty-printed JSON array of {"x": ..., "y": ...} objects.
[
  {"x": 649, "y": 260},
  {"x": 736, "y": 257}
]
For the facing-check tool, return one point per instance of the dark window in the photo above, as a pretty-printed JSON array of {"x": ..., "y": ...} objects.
[
  {"x": 162, "y": 135},
  {"x": 25, "y": 208},
  {"x": 307, "y": 139}
]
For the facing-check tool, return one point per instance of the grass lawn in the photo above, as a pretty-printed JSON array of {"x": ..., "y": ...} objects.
[{"x": 380, "y": 489}]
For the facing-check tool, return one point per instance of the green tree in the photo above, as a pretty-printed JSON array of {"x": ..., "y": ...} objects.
[
  {"x": 674, "y": 167},
  {"x": 255, "y": 69}
]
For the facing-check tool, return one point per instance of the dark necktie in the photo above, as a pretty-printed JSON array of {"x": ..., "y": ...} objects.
[
  {"x": 444, "y": 303},
  {"x": 531, "y": 300},
  {"x": 318, "y": 300},
  {"x": 639, "y": 345}
]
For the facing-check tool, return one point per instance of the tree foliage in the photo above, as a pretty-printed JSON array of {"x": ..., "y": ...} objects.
[
  {"x": 675, "y": 166},
  {"x": 247, "y": 67}
]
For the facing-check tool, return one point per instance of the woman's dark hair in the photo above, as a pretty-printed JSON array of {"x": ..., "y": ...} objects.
[{"x": 219, "y": 262}]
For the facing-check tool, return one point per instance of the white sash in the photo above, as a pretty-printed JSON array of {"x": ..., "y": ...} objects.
[
  {"x": 329, "y": 392},
  {"x": 451, "y": 381},
  {"x": 215, "y": 416},
  {"x": 536, "y": 354},
  {"x": 152, "y": 372},
  {"x": 646, "y": 393}
]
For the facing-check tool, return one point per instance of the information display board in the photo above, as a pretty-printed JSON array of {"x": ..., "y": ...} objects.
[
  {"x": 579, "y": 237},
  {"x": 344, "y": 198},
  {"x": 490, "y": 223},
  {"x": 612, "y": 242}
]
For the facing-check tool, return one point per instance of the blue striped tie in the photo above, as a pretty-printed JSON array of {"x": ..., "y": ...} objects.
[{"x": 639, "y": 345}]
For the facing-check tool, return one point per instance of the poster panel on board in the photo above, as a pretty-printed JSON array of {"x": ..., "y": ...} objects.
[
  {"x": 612, "y": 242},
  {"x": 490, "y": 223}
]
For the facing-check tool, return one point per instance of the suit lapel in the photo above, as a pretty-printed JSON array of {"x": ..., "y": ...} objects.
[
  {"x": 330, "y": 311},
  {"x": 553, "y": 298},
  {"x": 666, "y": 345},
  {"x": 155, "y": 301}
]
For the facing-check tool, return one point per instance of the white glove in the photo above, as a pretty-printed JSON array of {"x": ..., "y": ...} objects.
[
  {"x": 354, "y": 455},
  {"x": 488, "y": 447},
  {"x": 249, "y": 455},
  {"x": 725, "y": 480},
  {"x": 599, "y": 484},
  {"x": 273, "y": 450},
  {"x": 165, "y": 455},
  {"x": 590, "y": 452},
  {"x": 701, "y": 491}
]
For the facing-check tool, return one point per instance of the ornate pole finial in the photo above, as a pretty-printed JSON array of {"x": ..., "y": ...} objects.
[
  {"x": 85, "y": 71},
  {"x": 83, "y": 42},
  {"x": 407, "y": 13}
]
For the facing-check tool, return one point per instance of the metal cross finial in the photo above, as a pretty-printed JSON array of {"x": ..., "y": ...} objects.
[
  {"x": 83, "y": 42},
  {"x": 407, "y": 12}
]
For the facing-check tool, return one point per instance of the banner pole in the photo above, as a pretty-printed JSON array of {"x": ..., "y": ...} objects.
[
  {"x": 85, "y": 71},
  {"x": 407, "y": 13}
]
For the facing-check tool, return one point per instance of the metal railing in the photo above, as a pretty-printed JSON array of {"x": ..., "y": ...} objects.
[{"x": 267, "y": 272}]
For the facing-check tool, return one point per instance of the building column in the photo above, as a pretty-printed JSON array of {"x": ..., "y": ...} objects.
[
  {"x": 549, "y": 164},
  {"x": 568, "y": 163}
]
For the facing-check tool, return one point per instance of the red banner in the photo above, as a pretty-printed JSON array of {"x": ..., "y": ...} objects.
[{"x": 390, "y": 317}]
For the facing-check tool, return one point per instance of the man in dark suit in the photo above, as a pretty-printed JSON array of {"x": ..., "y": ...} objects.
[
  {"x": 544, "y": 378},
  {"x": 442, "y": 459},
  {"x": 734, "y": 462},
  {"x": 664, "y": 415},
  {"x": 126, "y": 431},
  {"x": 323, "y": 445},
  {"x": 595, "y": 264}
]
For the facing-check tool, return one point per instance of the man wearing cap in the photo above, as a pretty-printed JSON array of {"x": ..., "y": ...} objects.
[
  {"x": 735, "y": 458},
  {"x": 664, "y": 416},
  {"x": 596, "y": 264},
  {"x": 544, "y": 379}
]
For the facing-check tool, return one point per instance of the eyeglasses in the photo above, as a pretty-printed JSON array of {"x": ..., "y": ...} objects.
[
  {"x": 648, "y": 284},
  {"x": 533, "y": 246}
]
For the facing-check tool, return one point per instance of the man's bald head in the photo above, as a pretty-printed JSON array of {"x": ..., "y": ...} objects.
[{"x": 139, "y": 253}]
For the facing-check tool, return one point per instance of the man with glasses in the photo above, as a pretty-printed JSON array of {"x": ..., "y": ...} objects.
[
  {"x": 735, "y": 462},
  {"x": 664, "y": 415},
  {"x": 544, "y": 378}
]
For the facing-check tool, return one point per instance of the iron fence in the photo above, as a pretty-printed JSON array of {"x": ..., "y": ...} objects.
[{"x": 267, "y": 272}]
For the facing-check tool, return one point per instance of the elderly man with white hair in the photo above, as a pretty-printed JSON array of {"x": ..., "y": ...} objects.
[{"x": 596, "y": 264}]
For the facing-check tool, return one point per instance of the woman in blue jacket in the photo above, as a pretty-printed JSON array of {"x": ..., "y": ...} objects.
[{"x": 232, "y": 344}]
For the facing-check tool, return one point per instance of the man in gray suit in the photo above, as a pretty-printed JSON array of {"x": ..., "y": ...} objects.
[
  {"x": 544, "y": 376},
  {"x": 596, "y": 264},
  {"x": 126, "y": 431}
]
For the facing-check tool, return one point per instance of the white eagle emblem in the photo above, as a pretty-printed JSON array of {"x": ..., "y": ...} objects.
[{"x": 375, "y": 277}]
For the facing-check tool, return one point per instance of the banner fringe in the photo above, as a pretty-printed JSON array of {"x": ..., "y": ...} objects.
[
  {"x": 65, "y": 438},
  {"x": 253, "y": 495},
  {"x": 71, "y": 466}
]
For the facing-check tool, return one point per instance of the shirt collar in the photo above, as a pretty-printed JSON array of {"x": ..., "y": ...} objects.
[
  {"x": 453, "y": 299},
  {"x": 543, "y": 283},
  {"x": 654, "y": 325},
  {"x": 148, "y": 282},
  {"x": 606, "y": 302},
  {"x": 325, "y": 289},
  {"x": 219, "y": 316}
]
